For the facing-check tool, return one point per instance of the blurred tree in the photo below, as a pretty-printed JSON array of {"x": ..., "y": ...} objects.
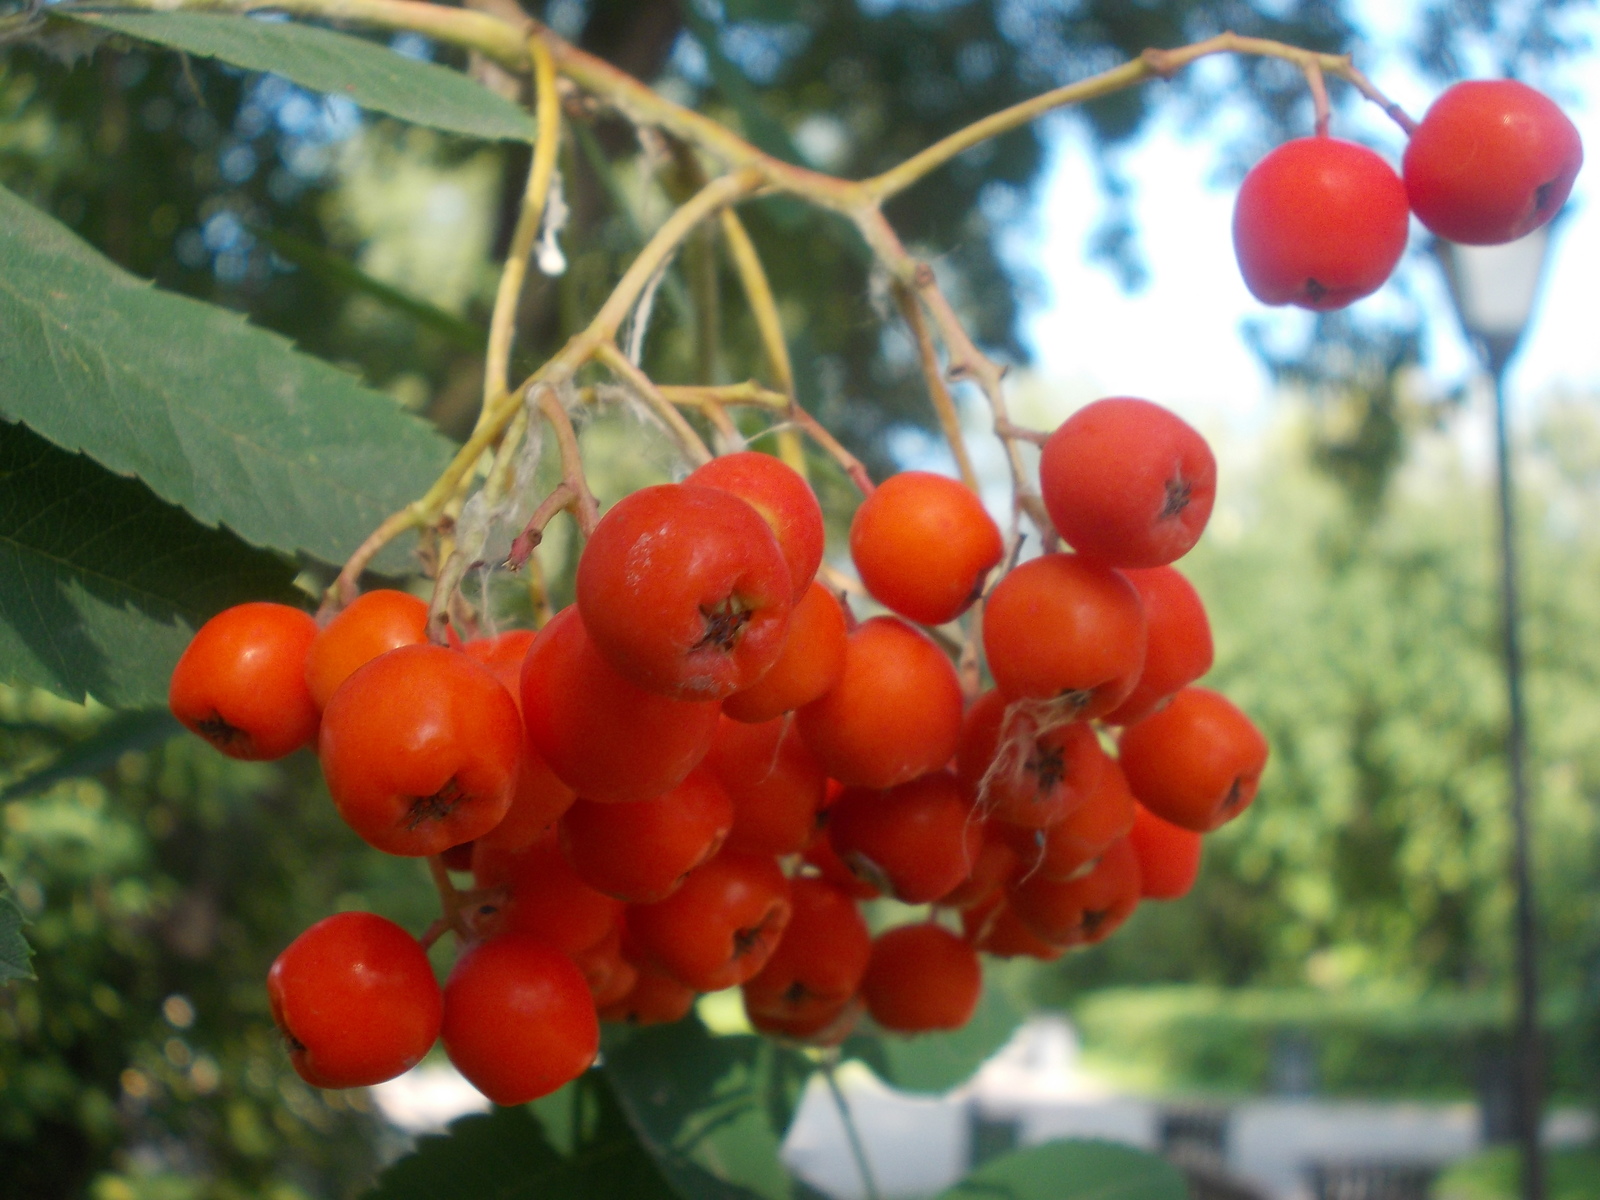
[{"x": 144, "y": 1059}]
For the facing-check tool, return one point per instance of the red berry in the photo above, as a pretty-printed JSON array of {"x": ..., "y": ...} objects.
[
  {"x": 641, "y": 852},
  {"x": 1319, "y": 223},
  {"x": 1086, "y": 909},
  {"x": 1197, "y": 762},
  {"x": 240, "y": 683},
  {"x": 545, "y": 897},
  {"x": 1128, "y": 482},
  {"x": 420, "y": 748},
  {"x": 824, "y": 859},
  {"x": 604, "y": 735},
  {"x": 656, "y": 998},
  {"x": 610, "y": 976},
  {"x": 1178, "y": 647},
  {"x": 540, "y": 797},
  {"x": 720, "y": 926},
  {"x": 1064, "y": 849},
  {"x": 924, "y": 544},
  {"x": 915, "y": 841},
  {"x": 820, "y": 960},
  {"x": 518, "y": 1019},
  {"x": 684, "y": 591},
  {"x": 776, "y": 784},
  {"x": 895, "y": 712},
  {"x": 997, "y": 864},
  {"x": 994, "y": 928},
  {"x": 356, "y": 1001},
  {"x": 781, "y": 498},
  {"x": 810, "y": 663},
  {"x": 1068, "y": 630},
  {"x": 374, "y": 623},
  {"x": 1491, "y": 161},
  {"x": 826, "y": 1028},
  {"x": 922, "y": 977},
  {"x": 1169, "y": 856},
  {"x": 1019, "y": 774}
]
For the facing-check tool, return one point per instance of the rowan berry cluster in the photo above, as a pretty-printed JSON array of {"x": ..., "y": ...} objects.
[
  {"x": 1321, "y": 222},
  {"x": 690, "y": 778}
]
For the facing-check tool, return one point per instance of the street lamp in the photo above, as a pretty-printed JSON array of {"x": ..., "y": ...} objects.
[{"x": 1493, "y": 289}]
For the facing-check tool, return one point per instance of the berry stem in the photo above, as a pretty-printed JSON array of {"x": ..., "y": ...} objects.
[
  {"x": 858, "y": 1148},
  {"x": 748, "y": 394},
  {"x": 584, "y": 508},
  {"x": 1319, "y": 95},
  {"x": 965, "y": 360},
  {"x": 769, "y": 326},
  {"x": 1034, "y": 437},
  {"x": 818, "y": 432},
  {"x": 626, "y": 370},
  {"x": 532, "y": 534},
  {"x": 943, "y": 404},
  {"x": 450, "y": 904},
  {"x": 530, "y": 218}
]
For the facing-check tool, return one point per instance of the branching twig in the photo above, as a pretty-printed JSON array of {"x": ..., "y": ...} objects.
[
  {"x": 1150, "y": 64},
  {"x": 506, "y": 41},
  {"x": 965, "y": 360},
  {"x": 525, "y": 45},
  {"x": 943, "y": 404},
  {"x": 530, "y": 219},
  {"x": 634, "y": 377},
  {"x": 1322, "y": 111},
  {"x": 769, "y": 325},
  {"x": 584, "y": 507},
  {"x": 555, "y": 373},
  {"x": 818, "y": 432},
  {"x": 526, "y": 542}
]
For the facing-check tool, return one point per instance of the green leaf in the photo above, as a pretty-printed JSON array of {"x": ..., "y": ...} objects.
[
  {"x": 701, "y": 1105},
  {"x": 223, "y": 419},
  {"x": 1073, "y": 1170},
  {"x": 500, "y": 1155},
  {"x": 101, "y": 584},
  {"x": 15, "y": 953},
  {"x": 936, "y": 1062},
  {"x": 370, "y": 74},
  {"x": 506, "y": 1155},
  {"x": 138, "y": 730}
]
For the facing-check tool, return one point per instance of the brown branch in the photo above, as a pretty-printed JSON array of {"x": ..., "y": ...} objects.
[
  {"x": 831, "y": 446},
  {"x": 526, "y": 542}
]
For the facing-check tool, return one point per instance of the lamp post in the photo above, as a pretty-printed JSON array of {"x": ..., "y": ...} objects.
[{"x": 1493, "y": 289}]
